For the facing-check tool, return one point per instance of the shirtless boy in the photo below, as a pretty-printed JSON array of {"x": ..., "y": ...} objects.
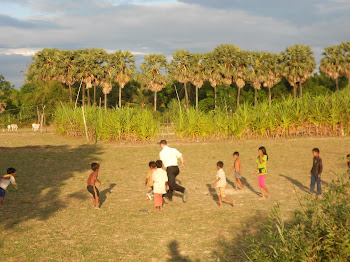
[
  {"x": 91, "y": 185},
  {"x": 237, "y": 169}
]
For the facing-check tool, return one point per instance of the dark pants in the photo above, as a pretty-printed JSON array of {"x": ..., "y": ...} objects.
[
  {"x": 315, "y": 179},
  {"x": 173, "y": 171}
]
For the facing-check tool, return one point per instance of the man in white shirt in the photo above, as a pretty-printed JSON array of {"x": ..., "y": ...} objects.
[{"x": 170, "y": 157}]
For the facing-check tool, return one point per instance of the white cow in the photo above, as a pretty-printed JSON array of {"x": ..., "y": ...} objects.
[
  {"x": 14, "y": 127},
  {"x": 35, "y": 127},
  {"x": 9, "y": 128}
]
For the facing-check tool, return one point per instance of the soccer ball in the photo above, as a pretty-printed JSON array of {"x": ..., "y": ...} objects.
[{"x": 149, "y": 196}]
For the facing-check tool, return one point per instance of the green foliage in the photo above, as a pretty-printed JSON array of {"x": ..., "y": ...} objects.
[
  {"x": 113, "y": 124},
  {"x": 320, "y": 115},
  {"x": 319, "y": 230}
]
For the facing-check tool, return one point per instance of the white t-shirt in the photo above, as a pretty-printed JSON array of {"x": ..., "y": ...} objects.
[
  {"x": 4, "y": 183},
  {"x": 159, "y": 178},
  {"x": 169, "y": 156},
  {"x": 222, "y": 181}
]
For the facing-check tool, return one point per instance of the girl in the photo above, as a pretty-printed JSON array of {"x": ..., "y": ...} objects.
[{"x": 261, "y": 171}]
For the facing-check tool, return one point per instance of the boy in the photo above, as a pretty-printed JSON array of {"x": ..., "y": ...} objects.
[
  {"x": 91, "y": 185},
  {"x": 237, "y": 170},
  {"x": 160, "y": 185},
  {"x": 152, "y": 166},
  {"x": 316, "y": 172},
  {"x": 348, "y": 162},
  {"x": 5, "y": 181},
  {"x": 220, "y": 184}
]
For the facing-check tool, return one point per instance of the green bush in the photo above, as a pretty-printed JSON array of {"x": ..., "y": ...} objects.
[{"x": 318, "y": 231}]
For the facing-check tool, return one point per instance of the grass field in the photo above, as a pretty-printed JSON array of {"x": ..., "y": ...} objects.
[{"x": 50, "y": 217}]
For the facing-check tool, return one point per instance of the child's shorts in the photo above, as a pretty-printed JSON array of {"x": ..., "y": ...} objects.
[
  {"x": 220, "y": 191},
  {"x": 2, "y": 192},
  {"x": 93, "y": 190},
  {"x": 237, "y": 175}
]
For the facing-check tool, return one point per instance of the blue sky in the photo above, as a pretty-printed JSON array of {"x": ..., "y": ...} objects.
[{"x": 162, "y": 26}]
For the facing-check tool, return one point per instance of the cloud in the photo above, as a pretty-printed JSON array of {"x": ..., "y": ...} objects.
[
  {"x": 8, "y": 21},
  {"x": 145, "y": 28}
]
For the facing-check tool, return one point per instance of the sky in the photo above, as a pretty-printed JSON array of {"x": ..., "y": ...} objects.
[{"x": 163, "y": 26}]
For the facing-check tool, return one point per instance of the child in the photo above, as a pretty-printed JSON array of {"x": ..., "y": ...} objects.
[
  {"x": 5, "y": 181},
  {"x": 261, "y": 171},
  {"x": 152, "y": 166},
  {"x": 348, "y": 162},
  {"x": 220, "y": 184},
  {"x": 316, "y": 172},
  {"x": 91, "y": 185},
  {"x": 160, "y": 185},
  {"x": 237, "y": 169}
]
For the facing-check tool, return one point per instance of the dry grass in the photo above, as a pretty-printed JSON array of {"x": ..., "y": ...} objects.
[{"x": 50, "y": 216}]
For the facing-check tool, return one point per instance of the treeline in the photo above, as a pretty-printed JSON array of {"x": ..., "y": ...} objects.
[
  {"x": 223, "y": 78},
  {"x": 227, "y": 65}
]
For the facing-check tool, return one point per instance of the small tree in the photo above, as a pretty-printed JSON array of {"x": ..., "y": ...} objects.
[
  {"x": 273, "y": 73},
  {"x": 345, "y": 60}
]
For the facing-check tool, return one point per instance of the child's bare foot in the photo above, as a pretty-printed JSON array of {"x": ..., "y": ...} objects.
[
  {"x": 97, "y": 208},
  {"x": 233, "y": 203},
  {"x": 262, "y": 198},
  {"x": 221, "y": 206}
]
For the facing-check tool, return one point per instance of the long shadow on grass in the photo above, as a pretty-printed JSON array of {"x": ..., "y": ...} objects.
[
  {"x": 212, "y": 192},
  {"x": 42, "y": 171},
  {"x": 103, "y": 193},
  {"x": 296, "y": 183},
  {"x": 174, "y": 253},
  {"x": 234, "y": 249},
  {"x": 249, "y": 186}
]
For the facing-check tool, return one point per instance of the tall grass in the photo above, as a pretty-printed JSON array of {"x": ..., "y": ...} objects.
[
  {"x": 307, "y": 116},
  {"x": 319, "y": 230},
  {"x": 114, "y": 124}
]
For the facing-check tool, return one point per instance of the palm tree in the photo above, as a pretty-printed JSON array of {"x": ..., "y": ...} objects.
[
  {"x": 42, "y": 66},
  {"x": 122, "y": 65},
  {"x": 197, "y": 73},
  {"x": 211, "y": 70},
  {"x": 345, "y": 60},
  {"x": 153, "y": 76},
  {"x": 180, "y": 70},
  {"x": 298, "y": 65},
  {"x": 331, "y": 63},
  {"x": 273, "y": 72},
  {"x": 64, "y": 62},
  {"x": 256, "y": 71}
]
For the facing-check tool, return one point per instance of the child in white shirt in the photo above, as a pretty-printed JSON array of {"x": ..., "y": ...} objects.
[
  {"x": 5, "y": 181},
  {"x": 160, "y": 185}
]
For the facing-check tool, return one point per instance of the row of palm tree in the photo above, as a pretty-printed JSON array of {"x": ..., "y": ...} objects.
[{"x": 225, "y": 65}]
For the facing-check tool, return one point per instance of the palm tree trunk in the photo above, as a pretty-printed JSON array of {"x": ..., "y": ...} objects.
[
  {"x": 88, "y": 95},
  {"x": 94, "y": 95},
  {"x": 300, "y": 90},
  {"x": 83, "y": 95},
  {"x": 186, "y": 97},
  {"x": 337, "y": 84},
  {"x": 349, "y": 82},
  {"x": 255, "y": 97},
  {"x": 70, "y": 94},
  {"x": 238, "y": 95},
  {"x": 295, "y": 92},
  {"x": 215, "y": 97},
  {"x": 105, "y": 101},
  {"x": 120, "y": 97},
  {"x": 155, "y": 100},
  {"x": 270, "y": 96},
  {"x": 196, "y": 98}
]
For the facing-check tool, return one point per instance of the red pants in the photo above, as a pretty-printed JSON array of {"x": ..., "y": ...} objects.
[{"x": 158, "y": 200}]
